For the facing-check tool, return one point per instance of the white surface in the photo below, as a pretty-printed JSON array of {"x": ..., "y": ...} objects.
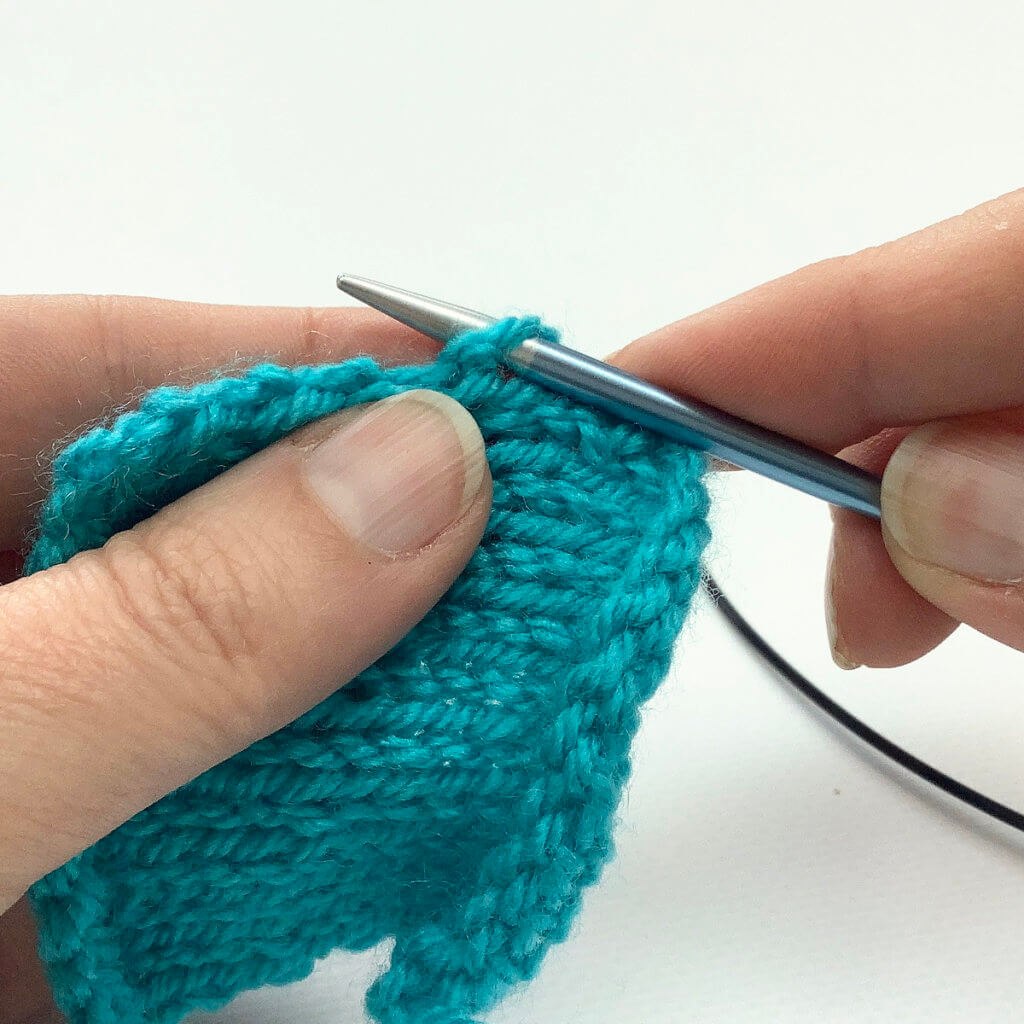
[{"x": 613, "y": 166}]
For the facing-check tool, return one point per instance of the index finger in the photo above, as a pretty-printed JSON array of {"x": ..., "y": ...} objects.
[
  {"x": 925, "y": 327},
  {"x": 65, "y": 360}
]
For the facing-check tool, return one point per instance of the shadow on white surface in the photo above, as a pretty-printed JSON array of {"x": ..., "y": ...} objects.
[{"x": 333, "y": 994}]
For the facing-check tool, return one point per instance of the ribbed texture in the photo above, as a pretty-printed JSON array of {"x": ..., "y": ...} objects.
[{"x": 460, "y": 793}]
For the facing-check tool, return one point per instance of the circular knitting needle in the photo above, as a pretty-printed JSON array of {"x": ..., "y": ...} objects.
[{"x": 592, "y": 382}]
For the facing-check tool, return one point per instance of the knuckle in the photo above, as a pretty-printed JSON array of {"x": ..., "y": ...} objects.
[
  {"x": 105, "y": 314},
  {"x": 857, "y": 285},
  {"x": 188, "y": 594}
]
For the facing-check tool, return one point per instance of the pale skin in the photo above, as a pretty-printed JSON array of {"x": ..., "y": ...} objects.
[{"x": 130, "y": 670}]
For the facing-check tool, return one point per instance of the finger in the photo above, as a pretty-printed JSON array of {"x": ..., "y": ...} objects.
[
  {"x": 925, "y": 327},
  {"x": 66, "y": 360},
  {"x": 130, "y": 670},
  {"x": 874, "y": 616},
  {"x": 951, "y": 499}
]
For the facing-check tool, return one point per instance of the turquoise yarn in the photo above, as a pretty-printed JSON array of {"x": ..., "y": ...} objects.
[{"x": 459, "y": 795}]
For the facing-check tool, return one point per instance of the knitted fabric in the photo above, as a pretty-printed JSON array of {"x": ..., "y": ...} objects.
[{"x": 460, "y": 793}]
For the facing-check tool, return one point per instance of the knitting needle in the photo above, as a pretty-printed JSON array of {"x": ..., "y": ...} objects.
[{"x": 598, "y": 384}]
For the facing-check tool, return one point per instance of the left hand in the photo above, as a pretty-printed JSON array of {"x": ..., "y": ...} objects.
[{"x": 129, "y": 670}]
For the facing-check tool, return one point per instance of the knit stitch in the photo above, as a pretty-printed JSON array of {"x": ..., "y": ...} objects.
[{"x": 460, "y": 793}]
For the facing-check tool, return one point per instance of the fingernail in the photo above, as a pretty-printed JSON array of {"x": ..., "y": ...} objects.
[
  {"x": 835, "y": 638},
  {"x": 951, "y": 497},
  {"x": 402, "y": 472}
]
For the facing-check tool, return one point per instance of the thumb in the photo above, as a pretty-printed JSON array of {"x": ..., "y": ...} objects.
[
  {"x": 132, "y": 669},
  {"x": 953, "y": 520}
]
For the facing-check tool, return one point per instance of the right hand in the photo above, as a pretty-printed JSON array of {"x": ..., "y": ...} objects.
[{"x": 907, "y": 358}]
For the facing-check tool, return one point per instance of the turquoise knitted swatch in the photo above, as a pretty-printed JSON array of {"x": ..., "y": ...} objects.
[{"x": 459, "y": 794}]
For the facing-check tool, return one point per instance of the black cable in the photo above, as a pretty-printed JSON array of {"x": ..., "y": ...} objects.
[{"x": 887, "y": 748}]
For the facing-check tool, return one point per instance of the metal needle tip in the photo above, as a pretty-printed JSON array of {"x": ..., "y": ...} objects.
[{"x": 439, "y": 320}]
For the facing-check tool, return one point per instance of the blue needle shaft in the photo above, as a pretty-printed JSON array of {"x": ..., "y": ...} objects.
[{"x": 588, "y": 380}]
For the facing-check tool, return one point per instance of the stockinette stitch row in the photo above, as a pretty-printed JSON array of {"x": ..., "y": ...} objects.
[{"x": 459, "y": 794}]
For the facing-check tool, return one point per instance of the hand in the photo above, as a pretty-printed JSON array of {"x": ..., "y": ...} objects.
[
  {"x": 130, "y": 670},
  {"x": 909, "y": 358},
  {"x": 223, "y": 634}
]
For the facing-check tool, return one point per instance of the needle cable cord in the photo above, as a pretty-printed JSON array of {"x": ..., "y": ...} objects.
[{"x": 953, "y": 787}]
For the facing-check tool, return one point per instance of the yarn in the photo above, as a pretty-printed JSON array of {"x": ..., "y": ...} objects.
[{"x": 459, "y": 794}]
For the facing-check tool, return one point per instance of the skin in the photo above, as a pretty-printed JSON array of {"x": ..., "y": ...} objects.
[
  {"x": 849, "y": 355},
  {"x": 130, "y": 670}
]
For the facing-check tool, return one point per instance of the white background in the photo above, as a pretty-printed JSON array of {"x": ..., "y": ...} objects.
[{"x": 612, "y": 166}]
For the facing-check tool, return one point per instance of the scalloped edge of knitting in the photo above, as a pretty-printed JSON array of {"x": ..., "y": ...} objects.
[{"x": 87, "y": 464}]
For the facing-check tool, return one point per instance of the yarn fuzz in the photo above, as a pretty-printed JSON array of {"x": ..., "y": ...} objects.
[{"x": 459, "y": 794}]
